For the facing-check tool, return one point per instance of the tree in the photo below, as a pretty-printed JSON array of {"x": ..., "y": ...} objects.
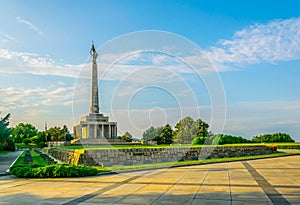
[
  {"x": 151, "y": 133},
  {"x": 277, "y": 137},
  {"x": 22, "y": 131},
  {"x": 127, "y": 137},
  {"x": 229, "y": 139},
  {"x": 187, "y": 129},
  {"x": 57, "y": 133},
  {"x": 166, "y": 136},
  {"x": 6, "y": 142}
]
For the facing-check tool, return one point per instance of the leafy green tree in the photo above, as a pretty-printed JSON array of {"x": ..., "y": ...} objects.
[
  {"x": 277, "y": 137},
  {"x": 166, "y": 136},
  {"x": 229, "y": 139},
  {"x": 57, "y": 133},
  {"x": 26, "y": 141},
  {"x": 127, "y": 137},
  {"x": 6, "y": 142},
  {"x": 22, "y": 131},
  {"x": 187, "y": 129},
  {"x": 152, "y": 133}
]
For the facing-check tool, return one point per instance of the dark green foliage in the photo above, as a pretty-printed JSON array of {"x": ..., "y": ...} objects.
[
  {"x": 54, "y": 170},
  {"x": 152, "y": 133},
  {"x": 57, "y": 133},
  {"x": 219, "y": 139},
  {"x": 187, "y": 129},
  {"x": 24, "y": 131},
  {"x": 166, "y": 136},
  {"x": 26, "y": 141},
  {"x": 229, "y": 139},
  {"x": 6, "y": 142},
  {"x": 296, "y": 146},
  {"x": 277, "y": 137},
  {"x": 127, "y": 137},
  {"x": 198, "y": 141}
]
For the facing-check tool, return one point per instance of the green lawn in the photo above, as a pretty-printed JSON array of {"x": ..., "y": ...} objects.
[
  {"x": 24, "y": 146},
  {"x": 36, "y": 159}
]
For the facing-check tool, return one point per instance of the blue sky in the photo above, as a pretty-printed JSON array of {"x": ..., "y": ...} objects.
[{"x": 254, "y": 46}]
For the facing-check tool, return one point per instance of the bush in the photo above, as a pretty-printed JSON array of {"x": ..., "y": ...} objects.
[
  {"x": 198, "y": 140},
  {"x": 277, "y": 137},
  {"x": 41, "y": 144},
  {"x": 57, "y": 170},
  {"x": 296, "y": 146},
  {"x": 26, "y": 141},
  {"x": 7, "y": 145}
]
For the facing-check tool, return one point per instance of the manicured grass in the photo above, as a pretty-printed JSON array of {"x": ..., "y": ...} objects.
[
  {"x": 196, "y": 162},
  {"x": 36, "y": 160},
  {"x": 24, "y": 146},
  {"x": 20, "y": 160},
  {"x": 4, "y": 152},
  {"x": 41, "y": 169}
]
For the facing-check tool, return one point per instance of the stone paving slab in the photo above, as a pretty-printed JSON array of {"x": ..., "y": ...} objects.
[{"x": 236, "y": 183}]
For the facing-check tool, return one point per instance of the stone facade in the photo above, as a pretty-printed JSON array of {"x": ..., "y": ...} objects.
[{"x": 111, "y": 157}]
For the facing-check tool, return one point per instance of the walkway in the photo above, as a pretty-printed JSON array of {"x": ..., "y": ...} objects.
[
  {"x": 6, "y": 160},
  {"x": 265, "y": 181}
]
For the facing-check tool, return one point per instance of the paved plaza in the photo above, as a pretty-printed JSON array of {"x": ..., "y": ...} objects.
[{"x": 265, "y": 181}]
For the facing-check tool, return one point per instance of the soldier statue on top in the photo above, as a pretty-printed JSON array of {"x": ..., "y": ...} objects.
[{"x": 93, "y": 52}]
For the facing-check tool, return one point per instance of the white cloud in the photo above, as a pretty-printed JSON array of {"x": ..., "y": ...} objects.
[
  {"x": 13, "y": 62},
  {"x": 5, "y": 38},
  {"x": 12, "y": 98},
  {"x": 278, "y": 40},
  {"x": 29, "y": 25}
]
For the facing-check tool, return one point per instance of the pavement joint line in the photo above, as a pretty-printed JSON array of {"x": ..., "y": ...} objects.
[
  {"x": 229, "y": 181},
  {"x": 171, "y": 185},
  {"x": 201, "y": 184},
  {"x": 132, "y": 192},
  {"x": 100, "y": 191},
  {"x": 270, "y": 191}
]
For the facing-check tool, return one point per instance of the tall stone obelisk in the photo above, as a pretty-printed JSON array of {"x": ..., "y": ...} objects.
[
  {"x": 94, "y": 100},
  {"x": 94, "y": 127}
]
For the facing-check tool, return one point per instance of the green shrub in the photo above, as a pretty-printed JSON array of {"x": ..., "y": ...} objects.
[
  {"x": 55, "y": 170},
  {"x": 288, "y": 146},
  {"x": 198, "y": 141},
  {"x": 26, "y": 141}
]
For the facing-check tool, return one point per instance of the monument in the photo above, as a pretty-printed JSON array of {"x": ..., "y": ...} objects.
[{"x": 95, "y": 127}]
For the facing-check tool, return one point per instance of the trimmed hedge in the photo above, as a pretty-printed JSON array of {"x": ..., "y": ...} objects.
[
  {"x": 53, "y": 170},
  {"x": 288, "y": 146}
]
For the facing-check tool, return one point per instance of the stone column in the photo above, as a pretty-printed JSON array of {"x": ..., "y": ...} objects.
[
  {"x": 102, "y": 131},
  {"x": 95, "y": 131},
  {"x": 88, "y": 131},
  {"x": 109, "y": 132}
]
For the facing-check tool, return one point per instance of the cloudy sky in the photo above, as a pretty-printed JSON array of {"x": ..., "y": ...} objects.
[{"x": 235, "y": 64}]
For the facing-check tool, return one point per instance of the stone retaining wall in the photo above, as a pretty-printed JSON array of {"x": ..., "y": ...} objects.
[{"x": 111, "y": 157}]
